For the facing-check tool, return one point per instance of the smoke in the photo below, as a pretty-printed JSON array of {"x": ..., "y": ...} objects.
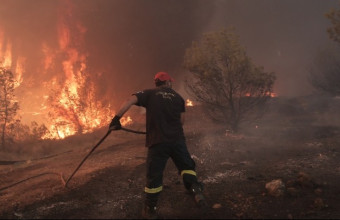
[
  {"x": 282, "y": 36},
  {"x": 26, "y": 25},
  {"x": 127, "y": 42}
]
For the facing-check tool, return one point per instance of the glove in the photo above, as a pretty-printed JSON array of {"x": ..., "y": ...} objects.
[{"x": 115, "y": 123}]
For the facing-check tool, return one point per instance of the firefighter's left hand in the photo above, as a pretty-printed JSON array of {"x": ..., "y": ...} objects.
[{"x": 115, "y": 123}]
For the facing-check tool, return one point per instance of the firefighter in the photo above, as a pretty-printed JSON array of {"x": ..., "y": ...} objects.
[{"x": 164, "y": 139}]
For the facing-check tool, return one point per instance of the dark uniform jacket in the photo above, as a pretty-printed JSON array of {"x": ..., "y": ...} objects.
[{"x": 163, "y": 115}]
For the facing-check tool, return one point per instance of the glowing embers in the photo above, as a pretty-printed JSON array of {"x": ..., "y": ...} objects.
[
  {"x": 271, "y": 94},
  {"x": 189, "y": 103}
]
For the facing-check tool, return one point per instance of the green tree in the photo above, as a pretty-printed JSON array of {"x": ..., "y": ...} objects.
[
  {"x": 8, "y": 104},
  {"x": 224, "y": 78}
]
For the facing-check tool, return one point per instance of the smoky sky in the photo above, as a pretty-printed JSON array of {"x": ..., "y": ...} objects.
[
  {"x": 282, "y": 36},
  {"x": 132, "y": 40},
  {"x": 128, "y": 41}
]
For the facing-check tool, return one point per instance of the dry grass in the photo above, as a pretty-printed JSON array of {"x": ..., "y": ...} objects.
[{"x": 235, "y": 167}]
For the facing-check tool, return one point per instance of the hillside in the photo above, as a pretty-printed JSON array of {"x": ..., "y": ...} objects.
[{"x": 296, "y": 142}]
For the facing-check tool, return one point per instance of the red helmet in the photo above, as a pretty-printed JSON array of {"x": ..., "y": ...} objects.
[{"x": 163, "y": 76}]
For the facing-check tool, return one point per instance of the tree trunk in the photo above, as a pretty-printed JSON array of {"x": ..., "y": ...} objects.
[
  {"x": 3, "y": 136},
  {"x": 5, "y": 119}
]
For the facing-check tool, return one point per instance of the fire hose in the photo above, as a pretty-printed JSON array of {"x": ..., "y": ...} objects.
[
  {"x": 74, "y": 172},
  {"x": 101, "y": 140}
]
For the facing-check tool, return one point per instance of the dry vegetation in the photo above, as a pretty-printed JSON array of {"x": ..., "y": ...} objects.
[{"x": 297, "y": 142}]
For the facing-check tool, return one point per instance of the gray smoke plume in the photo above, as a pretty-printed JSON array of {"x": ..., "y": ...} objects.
[{"x": 127, "y": 42}]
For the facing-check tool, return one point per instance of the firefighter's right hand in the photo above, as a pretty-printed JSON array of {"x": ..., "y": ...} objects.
[{"x": 115, "y": 123}]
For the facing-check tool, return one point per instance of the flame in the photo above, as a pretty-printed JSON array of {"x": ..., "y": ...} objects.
[
  {"x": 5, "y": 51},
  {"x": 49, "y": 56},
  {"x": 271, "y": 94},
  {"x": 189, "y": 103},
  {"x": 7, "y": 62},
  {"x": 72, "y": 111},
  {"x": 68, "y": 101},
  {"x": 1, "y": 42},
  {"x": 75, "y": 108},
  {"x": 19, "y": 70},
  {"x": 125, "y": 120}
]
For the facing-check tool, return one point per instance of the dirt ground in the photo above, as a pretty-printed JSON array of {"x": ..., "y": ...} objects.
[{"x": 289, "y": 145}]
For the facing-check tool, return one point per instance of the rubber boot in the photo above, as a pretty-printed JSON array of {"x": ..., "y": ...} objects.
[
  {"x": 149, "y": 212},
  {"x": 197, "y": 191},
  {"x": 150, "y": 206}
]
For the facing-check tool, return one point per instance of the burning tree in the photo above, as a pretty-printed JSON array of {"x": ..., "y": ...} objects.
[
  {"x": 8, "y": 105},
  {"x": 73, "y": 105},
  {"x": 225, "y": 79},
  {"x": 74, "y": 108}
]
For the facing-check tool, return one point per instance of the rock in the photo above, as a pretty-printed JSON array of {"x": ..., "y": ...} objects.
[
  {"x": 19, "y": 215},
  {"x": 318, "y": 203},
  {"x": 318, "y": 183},
  {"x": 275, "y": 188},
  {"x": 318, "y": 191},
  {"x": 305, "y": 180},
  {"x": 292, "y": 191},
  {"x": 291, "y": 183},
  {"x": 217, "y": 206}
]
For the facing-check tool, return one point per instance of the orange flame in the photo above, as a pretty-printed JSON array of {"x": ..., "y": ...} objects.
[
  {"x": 75, "y": 110},
  {"x": 7, "y": 62},
  {"x": 68, "y": 99},
  {"x": 189, "y": 103},
  {"x": 271, "y": 94},
  {"x": 5, "y": 52},
  {"x": 49, "y": 56},
  {"x": 126, "y": 120},
  {"x": 19, "y": 70}
]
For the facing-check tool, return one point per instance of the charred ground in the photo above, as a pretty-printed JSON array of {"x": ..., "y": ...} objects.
[{"x": 297, "y": 141}]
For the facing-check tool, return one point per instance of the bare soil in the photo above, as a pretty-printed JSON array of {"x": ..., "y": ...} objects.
[{"x": 288, "y": 144}]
